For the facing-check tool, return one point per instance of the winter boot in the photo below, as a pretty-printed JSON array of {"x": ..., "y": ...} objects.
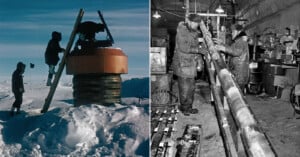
[
  {"x": 187, "y": 110},
  {"x": 18, "y": 111}
]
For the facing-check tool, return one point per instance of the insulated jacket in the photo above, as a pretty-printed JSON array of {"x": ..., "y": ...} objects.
[
  {"x": 186, "y": 54},
  {"x": 52, "y": 50},
  {"x": 17, "y": 82},
  {"x": 239, "y": 59}
]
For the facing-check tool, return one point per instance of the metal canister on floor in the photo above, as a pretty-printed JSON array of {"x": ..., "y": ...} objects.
[{"x": 255, "y": 78}]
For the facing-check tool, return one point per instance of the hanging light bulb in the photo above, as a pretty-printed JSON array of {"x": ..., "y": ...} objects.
[
  {"x": 220, "y": 9},
  {"x": 156, "y": 15}
]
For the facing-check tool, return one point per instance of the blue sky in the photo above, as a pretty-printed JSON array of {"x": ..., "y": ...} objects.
[{"x": 26, "y": 26}]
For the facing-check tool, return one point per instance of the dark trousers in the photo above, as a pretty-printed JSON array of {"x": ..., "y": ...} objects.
[
  {"x": 186, "y": 92},
  {"x": 50, "y": 76},
  {"x": 51, "y": 71},
  {"x": 18, "y": 101},
  {"x": 242, "y": 87}
]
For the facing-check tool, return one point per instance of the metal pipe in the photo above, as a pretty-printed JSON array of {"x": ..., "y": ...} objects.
[
  {"x": 218, "y": 27},
  {"x": 212, "y": 15},
  {"x": 223, "y": 122},
  {"x": 254, "y": 140},
  {"x": 105, "y": 26},
  {"x": 187, "y": 7}
]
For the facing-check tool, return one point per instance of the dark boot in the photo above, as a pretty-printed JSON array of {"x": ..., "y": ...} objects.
[
  {"x": 18, "y": 111},
  {"x": 187, "y": 110}
]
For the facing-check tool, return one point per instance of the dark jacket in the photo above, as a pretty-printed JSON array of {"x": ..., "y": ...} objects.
[
  {"x": 239, "y": 59},
  {"x": 186, "y": 55},
  {"x": 51, "y": 54},
  {"x": 17, "y": 82}
]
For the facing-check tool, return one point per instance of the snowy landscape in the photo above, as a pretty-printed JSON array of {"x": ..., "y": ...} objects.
[{"x": 91, "y": 130}]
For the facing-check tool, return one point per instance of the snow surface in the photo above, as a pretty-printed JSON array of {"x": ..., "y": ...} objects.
[{"x": 92, "y": 130}]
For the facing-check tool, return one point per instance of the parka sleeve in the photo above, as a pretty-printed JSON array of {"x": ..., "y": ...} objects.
[
  {"x": 14, "y": 83},
  {"x": 55, "y": 47},
  {"x": 21, "y": 83},
  {"x": 236, "y": 49}
]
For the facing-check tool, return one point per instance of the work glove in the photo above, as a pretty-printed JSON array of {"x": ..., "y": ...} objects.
[
  {"x": 220, "y": 47},
  {"x": 21, "y": 90}
]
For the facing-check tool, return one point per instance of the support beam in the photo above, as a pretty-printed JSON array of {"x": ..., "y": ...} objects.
[{"x": 212, "y": 15}]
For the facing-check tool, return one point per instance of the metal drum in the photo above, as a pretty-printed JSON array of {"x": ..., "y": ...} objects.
[
  {"x": 96, "y": 76},
  {"x": 96, "y": 66},
  {"x": 255, "y": 78}
]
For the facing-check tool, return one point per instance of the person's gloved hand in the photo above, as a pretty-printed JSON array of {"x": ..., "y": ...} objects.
[
  {"x": 220, "y": 47},
  {"x": 215, "y": 56},
  {"x": 218, "y": 41}
]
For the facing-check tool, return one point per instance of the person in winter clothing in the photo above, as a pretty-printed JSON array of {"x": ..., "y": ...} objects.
[
  {"x": 51, "y": 54},
  {"x": 18, "y": 87},
  {"x": 187, "y": 56},
  {"x": 238, "y": 53}
]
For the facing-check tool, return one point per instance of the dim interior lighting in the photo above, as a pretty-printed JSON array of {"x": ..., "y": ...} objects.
[
  {"x": 219, "y": 10},
  {"x": 156, "y": 15}
]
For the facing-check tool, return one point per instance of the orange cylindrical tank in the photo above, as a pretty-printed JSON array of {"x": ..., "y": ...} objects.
[
  {"x": 100, "y": 60},
  {"x": 97, "y": 75}
]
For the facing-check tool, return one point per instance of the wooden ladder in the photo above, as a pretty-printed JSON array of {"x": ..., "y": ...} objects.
[{"x": 62, "y": 63}]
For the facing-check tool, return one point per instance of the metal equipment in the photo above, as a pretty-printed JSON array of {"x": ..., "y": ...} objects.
[{"x": 96, "y": 65}]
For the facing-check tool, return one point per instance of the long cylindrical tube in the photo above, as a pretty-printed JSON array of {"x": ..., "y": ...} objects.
[{"x": 255, "y": 141}]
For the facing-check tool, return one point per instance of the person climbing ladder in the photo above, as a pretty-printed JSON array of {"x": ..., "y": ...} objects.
[{"x": 51, "y": 54}]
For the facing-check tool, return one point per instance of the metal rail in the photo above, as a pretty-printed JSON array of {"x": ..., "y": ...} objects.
[
  {"x": 105, "y": 26},
  {"x": 254, "y": 140}
]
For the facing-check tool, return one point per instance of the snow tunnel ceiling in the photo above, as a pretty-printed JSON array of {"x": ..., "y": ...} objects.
[
  {"x": 173, "y": 11},
  {"x": 269, "y": 15},
  {"x": 254, "y": 14}
]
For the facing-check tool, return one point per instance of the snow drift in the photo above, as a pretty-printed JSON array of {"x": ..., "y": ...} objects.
[
  {"x": 92, "y": 130},
  {"x": 87, "y": 130}
]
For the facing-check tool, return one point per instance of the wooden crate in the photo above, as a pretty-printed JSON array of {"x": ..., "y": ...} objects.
[
  {"x": 158, "y": 58},
  {"x": 160, "y": 89}
]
